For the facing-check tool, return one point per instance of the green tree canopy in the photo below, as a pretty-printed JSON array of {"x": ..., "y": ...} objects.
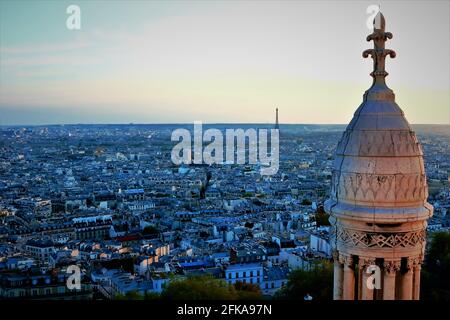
[
  {"x": 150, "y": 230},
  {"x": 317, "y": 282},
  {"x": 306, "y": 202},
  {"x": 206, "y": 287},
  {"x": 203, "y": 287},
  {"x": 247, "y": 291},
  {"x": 322, "y": 217},
  {"x": 130, "y": 295},
  {"x": 435, "y": 280}
]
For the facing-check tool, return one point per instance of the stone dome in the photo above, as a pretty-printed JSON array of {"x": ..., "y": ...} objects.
[
  {"x": 378, "y": 206},
  {"x": 378, "y": 171}
]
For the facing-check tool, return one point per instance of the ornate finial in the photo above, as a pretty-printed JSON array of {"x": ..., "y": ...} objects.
[{"x": 379, "y": 53}]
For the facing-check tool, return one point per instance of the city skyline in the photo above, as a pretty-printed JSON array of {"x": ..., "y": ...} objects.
[
  {"x": 155, "y": 62},
  {"x": 243, "y": 154}
]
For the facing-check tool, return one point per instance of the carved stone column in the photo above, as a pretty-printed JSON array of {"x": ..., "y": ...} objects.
[
  {"x": 338, "y": 277},
  {"x": 391, "y": 267},
  {"x": 366, "y": 291},
  {"x": 348, "y": 292},
  {"x": 416, "y": 280},
  {"x": 406, "y": 291}
]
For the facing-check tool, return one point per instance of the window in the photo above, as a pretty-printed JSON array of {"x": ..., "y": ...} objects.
[
  {"x": 251, "y": 273},
  {"x": 245, "y": 274},
  {"x": 237, "y": 275},
  {"x": 229, "y": 275}
]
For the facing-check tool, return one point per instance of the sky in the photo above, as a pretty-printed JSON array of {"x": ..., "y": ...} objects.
[{"x": 216, "y": 61}]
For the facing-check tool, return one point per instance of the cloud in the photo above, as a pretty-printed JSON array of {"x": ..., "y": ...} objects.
[
  {"x": 50, "y": 61},
  {"x": 46, "y": 48},
  {"x": 19, "y": 59}
]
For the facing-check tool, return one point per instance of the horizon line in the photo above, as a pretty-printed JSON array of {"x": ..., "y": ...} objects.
[{"x": 192, "y": 123}]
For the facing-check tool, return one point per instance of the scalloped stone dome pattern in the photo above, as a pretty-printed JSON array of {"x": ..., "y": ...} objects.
[{"x": 378, "y": 161}]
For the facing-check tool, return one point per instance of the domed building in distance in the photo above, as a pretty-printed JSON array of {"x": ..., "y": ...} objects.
[{"x": 378, "y": 204}]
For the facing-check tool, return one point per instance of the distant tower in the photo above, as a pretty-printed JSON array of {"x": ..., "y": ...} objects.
[
  {"x": 378, "y": 204},
  {"x": 276, "y": 119}
]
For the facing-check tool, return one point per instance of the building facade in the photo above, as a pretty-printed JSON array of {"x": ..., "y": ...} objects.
[{"x": 245, "y": 273}]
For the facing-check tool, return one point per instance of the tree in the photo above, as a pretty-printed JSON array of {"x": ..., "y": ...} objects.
[
  {"x": 317, "y": 282},
  {"x": 204, "y": 234},
  {"x": 203, "y": 287},
  {"x": 249, "y": 224},
  {"x": 151, "y": 296},
  {"x": 435, "y": 278},
  {"x": 247, "y": 291},
  {"x": 306, "y": 202},
  {"x": 135, "y": 295},
  {"x": 130, "y": 295},
  {"x": 150, "y": 230},
  {"x": 322, "y": 217}
]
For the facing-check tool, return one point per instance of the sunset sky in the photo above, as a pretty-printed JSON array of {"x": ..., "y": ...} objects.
[{"x": 216, "y": 61}]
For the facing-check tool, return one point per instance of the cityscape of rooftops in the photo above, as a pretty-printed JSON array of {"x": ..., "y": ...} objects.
[{"x": 224, "y": 150}]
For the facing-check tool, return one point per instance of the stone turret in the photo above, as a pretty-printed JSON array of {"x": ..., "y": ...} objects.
[{"x": 378, "y": 203}]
